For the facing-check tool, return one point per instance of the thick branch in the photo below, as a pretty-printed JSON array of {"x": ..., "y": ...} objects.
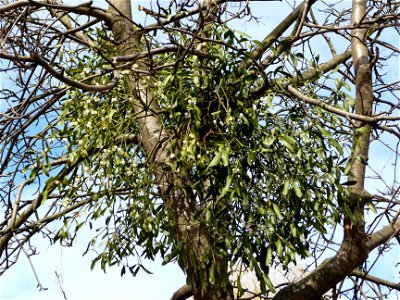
[
  {"x": 83, "y": 8},
  {"x": 310, "y": 73},
  {"x": 326, "y": 276},
  {"x": 364, "y": 97},
  {"x": 183, "y": 293},
  {"x": 376, "y": 280},
  {"x": 17, "y": 201},
  {"x": 277, "y": 32},
  {"x": 66, "y": 21},
  {"x": 354, "y": 249},
  {"x": 383, "y": 235}
]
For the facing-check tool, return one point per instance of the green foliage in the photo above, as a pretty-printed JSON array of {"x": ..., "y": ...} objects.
[
  {"x": 100, "y": 134},
  {"x": 263, "y": 171}
]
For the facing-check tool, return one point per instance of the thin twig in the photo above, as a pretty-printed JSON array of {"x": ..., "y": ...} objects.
[
  {"x": 60, "y": 284},
  {"x": 39, "y": 284}
]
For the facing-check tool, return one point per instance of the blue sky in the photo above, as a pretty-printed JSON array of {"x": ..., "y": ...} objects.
[{"x": 80, "y": 282}]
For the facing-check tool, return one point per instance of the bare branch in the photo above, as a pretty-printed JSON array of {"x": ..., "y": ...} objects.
[
  {"x": 377, "y": 280},
  {"x": 383, "y": 235},
  {"x": 279, "y": 30},
  {"x": 17, "y": 201},
  {"x": 63, "y": 78},
  {"x": 84, "y": 8},
  {"x": 338, "y": 111},
  {"x": 183, "y": 293}
]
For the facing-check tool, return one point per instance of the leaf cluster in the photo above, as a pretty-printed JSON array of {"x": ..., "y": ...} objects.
[{"x": 262, "y": 172}]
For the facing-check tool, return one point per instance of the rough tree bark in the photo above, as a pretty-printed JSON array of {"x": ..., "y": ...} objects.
[
  {"x": 354, "y": 249},
  {"x": 190, "y": 233}
]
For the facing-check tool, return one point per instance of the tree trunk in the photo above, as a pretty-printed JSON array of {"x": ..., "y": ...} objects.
[{"x": 190, "y": 232}]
